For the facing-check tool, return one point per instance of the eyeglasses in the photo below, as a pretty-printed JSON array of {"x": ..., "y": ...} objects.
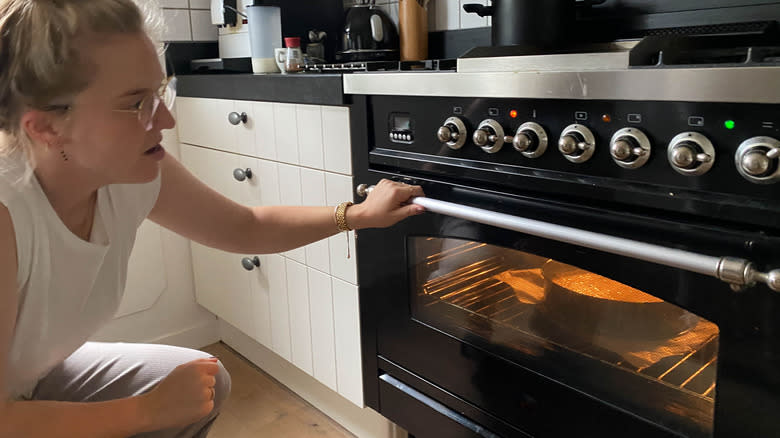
[{"x": 147, "y": 107}]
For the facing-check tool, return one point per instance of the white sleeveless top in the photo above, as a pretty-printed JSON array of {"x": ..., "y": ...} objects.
[{"x": 68, "y": 288}]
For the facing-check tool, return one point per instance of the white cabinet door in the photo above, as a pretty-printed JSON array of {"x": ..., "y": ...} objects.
[
  {"x": 342, "y": 248},
  {"x": 290, "y": 193},
  {"x": 269, "y": 287},
  {"x": 310, "y": 136},
  {"x": 280, "y": 307},
  {"x": 346, "y": 317},
  {"x": 245, "y": 131},
  {"x": 323, "y": 342},
  {"x": 204, "y": 122},
  {"x": 302, "y": 304},
  {"x": 313, "y": 188},
  {"x": 265, "y": 137},
  {"x": 336, "y": 139},
  {"x": 300, "y": 322},
  {"x": 286, "y": 133},
  {"x": 222, "y": 284}
]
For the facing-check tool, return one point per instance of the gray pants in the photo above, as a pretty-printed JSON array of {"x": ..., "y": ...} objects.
[{"x": 107, "y": 371}]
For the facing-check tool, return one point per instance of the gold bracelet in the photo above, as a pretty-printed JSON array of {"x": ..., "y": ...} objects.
[{"x": 341, "y": 216}]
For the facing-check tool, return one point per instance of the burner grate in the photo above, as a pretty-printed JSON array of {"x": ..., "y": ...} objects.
[
  {"x": 383, "y": 66},
  {"x": 707, "y": 50}
]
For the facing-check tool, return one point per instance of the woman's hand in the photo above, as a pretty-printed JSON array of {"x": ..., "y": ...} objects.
[
  {"x": 185, "y": 396},
  {"x": 385, "y": 205}
]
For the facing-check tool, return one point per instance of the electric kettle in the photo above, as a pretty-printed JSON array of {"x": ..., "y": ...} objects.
[{"x": 369, "y": 35}]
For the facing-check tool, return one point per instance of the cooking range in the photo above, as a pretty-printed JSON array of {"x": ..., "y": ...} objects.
[{"x": 601, "y": 251}]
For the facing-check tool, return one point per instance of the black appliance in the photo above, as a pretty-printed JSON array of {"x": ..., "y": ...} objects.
[
  {"x": 368, "y": 35},
  {"x": 601, "y": 255},
  {"x": 530, "y": 23}
]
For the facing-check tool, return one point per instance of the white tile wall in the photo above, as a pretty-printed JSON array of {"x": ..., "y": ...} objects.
[
  {"x": 442, "y": 14},
  {"x": 180, "y": 4},
  {"x": 177, "y": 25},
  {"x": 188, "y": 20},
  {"x": 200, "y": 4},
  {"x": 468, "y": 20},
  {"x": 202, "y": 29}
]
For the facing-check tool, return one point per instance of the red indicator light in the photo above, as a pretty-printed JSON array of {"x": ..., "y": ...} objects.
[
  {"x": 606, "y": 118},
  {"x": 513, "y": 114}
]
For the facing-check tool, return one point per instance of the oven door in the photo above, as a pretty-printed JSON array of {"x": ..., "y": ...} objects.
[{"x": 528, "y": 336}]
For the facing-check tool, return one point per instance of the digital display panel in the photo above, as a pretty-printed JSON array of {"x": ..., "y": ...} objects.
[{"x": 402, "y": 123}]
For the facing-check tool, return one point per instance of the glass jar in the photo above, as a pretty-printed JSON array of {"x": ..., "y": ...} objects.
[{"x": 294, "y": 60}]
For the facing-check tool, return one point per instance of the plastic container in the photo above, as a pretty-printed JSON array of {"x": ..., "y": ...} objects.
[{"x": 265, "y": 34}]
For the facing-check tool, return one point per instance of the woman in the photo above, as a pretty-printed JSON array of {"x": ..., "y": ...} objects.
[{"x": 81, "y": 110}]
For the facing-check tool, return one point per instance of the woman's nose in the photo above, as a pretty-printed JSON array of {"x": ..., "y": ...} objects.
[{"x": 164, "y": 119}]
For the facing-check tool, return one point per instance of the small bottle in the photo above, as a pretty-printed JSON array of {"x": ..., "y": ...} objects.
[{"x": 294, "y": 61}]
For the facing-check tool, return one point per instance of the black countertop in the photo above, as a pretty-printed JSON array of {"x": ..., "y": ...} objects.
[{"x": 306, "y": 88}]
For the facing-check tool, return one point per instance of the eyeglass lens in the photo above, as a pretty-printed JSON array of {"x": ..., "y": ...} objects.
[{"x": 148, "y": 109}]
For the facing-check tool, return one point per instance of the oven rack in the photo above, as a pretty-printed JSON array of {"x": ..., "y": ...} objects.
[{"x": 475, "y": 289}]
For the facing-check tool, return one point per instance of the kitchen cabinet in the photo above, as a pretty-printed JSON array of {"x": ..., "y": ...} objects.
[
  {"x": 222, "y": 283},
  {"x": 301, "y": 304}
]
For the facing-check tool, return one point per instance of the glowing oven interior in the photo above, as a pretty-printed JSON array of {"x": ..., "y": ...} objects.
[{"x": 542, "y": 309}]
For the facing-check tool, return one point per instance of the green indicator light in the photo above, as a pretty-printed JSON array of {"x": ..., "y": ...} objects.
[{"x": 729, "y": 124}]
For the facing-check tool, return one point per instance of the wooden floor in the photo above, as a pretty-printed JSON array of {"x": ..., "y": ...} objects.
[{"x": 259, "y": 406}]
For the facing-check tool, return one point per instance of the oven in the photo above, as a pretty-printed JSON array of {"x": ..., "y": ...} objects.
[{"x": 579, "y": 272}]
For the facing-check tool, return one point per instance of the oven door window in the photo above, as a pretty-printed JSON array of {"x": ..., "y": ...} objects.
[{"x": 602, "y": 337}]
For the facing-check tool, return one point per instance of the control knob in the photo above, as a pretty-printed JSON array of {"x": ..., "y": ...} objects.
[
  {"x": 530, "y": 140},
  {"x": 577, "y": 143},
  {"x": 691, "y": 153},
  {"x": 452, "y": 133},
  {"x": 630, "y": 148},
  {"x": 758, "y": 160},
  {"x": 490, "y": 136}
]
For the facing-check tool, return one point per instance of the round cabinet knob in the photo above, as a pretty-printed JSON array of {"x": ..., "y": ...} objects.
[
  {"x": 235, "y": 118},
  {"x": 577, "y": 143},
  {"x": 530, "y": 140},
  {"x": 630, "y": 148},
  {"x": 250, "y": 263},
  {"x": 242, "y": 174},
  {"x": 758, "y": 160},
  {"x": 452, "y": 133},
  {"x": 691, "y": 153},
  {"x": 489, "y": 136}
]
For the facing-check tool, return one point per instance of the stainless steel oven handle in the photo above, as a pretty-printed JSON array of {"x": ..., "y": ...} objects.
[{"x": 739, "y": 273}]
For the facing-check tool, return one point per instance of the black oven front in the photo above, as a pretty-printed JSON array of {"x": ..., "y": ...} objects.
[{"x": 542, "y": 297}]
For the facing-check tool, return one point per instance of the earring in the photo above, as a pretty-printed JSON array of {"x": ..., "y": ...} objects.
[{"x": 64, "y": 156}]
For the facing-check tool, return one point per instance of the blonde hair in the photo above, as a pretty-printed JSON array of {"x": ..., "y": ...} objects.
[{"x": 40, "y": 60}]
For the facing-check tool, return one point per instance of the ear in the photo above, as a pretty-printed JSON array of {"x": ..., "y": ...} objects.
[{"x": 43, "y": 127}]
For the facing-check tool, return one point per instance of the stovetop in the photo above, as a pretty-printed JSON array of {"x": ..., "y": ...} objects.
[
  {"x": 384, "y": 66},
  {"x": 760, "y": 49}
]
